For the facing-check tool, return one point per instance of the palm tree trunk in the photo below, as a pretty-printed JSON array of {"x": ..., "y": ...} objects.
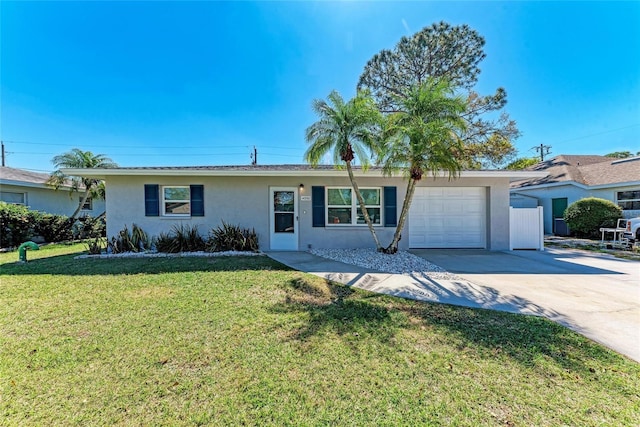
[
  {"x": 393, "y": 246},
  {"x": 363, "y": 208},
  {"x": 82, "y": 201}
]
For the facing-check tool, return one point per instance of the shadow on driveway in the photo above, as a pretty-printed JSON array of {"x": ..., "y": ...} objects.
[{"x": 477, "y": 261}]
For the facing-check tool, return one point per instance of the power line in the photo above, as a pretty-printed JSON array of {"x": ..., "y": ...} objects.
[
  {"x": 121, "y": 146},
  {"x": 599, "y": 133},
  {"x": 164, "y": 154},
  {"x": 149, "y": 147},
  {"x": 145, "y": 154},
  {"x": 102, "y": 145}
]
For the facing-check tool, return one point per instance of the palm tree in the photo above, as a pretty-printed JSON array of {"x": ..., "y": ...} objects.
[
  {"x": 77, "y": 158},
  {"x": 349, "y": 130},
  {"x": 425, "y": 138}
]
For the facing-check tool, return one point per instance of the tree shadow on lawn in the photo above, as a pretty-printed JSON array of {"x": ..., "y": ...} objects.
[
  {"x": 531, "y": 341},
  {"x": 67, "y": 265},
  {"x": 334, "y": 308}
]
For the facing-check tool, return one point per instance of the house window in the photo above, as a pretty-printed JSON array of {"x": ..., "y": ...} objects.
[
  {"x": 629, "y": 200},
  {"x": 13, "y": 198},
  {"x": 176, "y": 201},
  {"x": 342, "y": 203},
  {"x": 88, "y": 204}
]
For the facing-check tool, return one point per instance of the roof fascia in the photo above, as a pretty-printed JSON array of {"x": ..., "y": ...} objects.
[
  {"x": 104, "y": 173},
  {"x": 29, "y": 184},
  {"x": 576, "y": 184}
]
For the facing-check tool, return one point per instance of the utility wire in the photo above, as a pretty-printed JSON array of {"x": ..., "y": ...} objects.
[
  {"x": 221, "y": 147},
  {"x": 599, "y": 133},
  {"x": 162, "y": 154}
]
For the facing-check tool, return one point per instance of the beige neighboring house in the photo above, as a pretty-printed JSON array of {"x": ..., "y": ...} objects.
[
  {"x": 574, "y": 177},
  {"x": 297, "y": 207},
  {"x": 23, "y": 187}
]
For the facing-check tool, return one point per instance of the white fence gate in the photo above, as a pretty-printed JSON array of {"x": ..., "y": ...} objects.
[{"x": 526, "y": 227}]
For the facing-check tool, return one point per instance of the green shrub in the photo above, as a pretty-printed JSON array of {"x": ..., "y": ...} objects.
[
  {"x": 88, "y": 227},
  {"x": 586, "y": 216},
  {"x": 16, "y": 225},
  {"x": 229, "y": 237},
  {"x": 53, "y": 228},
  {"x": 19, "y": 223},
  {"x": 181, "y": 238}
]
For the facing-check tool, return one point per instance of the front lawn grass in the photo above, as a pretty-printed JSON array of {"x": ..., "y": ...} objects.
[{"x": 245, "y": 341}]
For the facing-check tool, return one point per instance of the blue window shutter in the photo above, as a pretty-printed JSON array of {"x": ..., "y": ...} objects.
[
  {"x": 317, "y": 206},
  {"x": 151, "y": 200},
  {"x": 390, "y": 207},
  {"x": 197, "y": 200}
]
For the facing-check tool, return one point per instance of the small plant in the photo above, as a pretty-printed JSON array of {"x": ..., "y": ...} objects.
[
  {"x": 129, "y": 241},
  {"x": 164, "y": 243},
  {"x": 140, "y": 239},
  {"x": 181, "y": 238},
  {"x": 586, "y": 216},
  {"x": 229, "y": 237},
  {"x": 95, "y": 246}
]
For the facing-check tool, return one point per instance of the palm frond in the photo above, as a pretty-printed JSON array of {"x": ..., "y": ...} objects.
[
  {"x": 425, "y": 135},
  {"x": 343, "y": 128}
]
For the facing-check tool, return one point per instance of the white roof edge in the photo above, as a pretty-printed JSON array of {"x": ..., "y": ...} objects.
[
  {"x": 576, "y": 184},
  {"x": 18, "y": 183},
  {"x": 103, "y": 173}
]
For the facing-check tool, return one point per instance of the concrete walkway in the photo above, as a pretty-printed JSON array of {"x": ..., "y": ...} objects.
[{"x": 595, "y": 295}]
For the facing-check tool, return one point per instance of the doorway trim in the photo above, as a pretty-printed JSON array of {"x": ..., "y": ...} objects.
[{"x": 283, "y": 240}]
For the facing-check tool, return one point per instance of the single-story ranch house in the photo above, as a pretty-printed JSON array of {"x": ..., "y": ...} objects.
[
  {"x": 24, "y": 187},
  {"x": 573, "y": 177},
  {"x": 296, "y": 207}
]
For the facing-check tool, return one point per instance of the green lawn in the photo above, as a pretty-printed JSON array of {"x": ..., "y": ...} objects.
[{"x": 245, "y": 341}]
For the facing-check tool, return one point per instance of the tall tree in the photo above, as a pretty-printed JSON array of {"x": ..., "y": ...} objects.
[
  {"x": 453, "y": 53},
  {"x": 77, "y": 158},
  {"x": 347, "y": 130},
  {"x": 425, "y": 138},
  {"x": 522, "y": 163},
  {"x": 621, "y": 154}
]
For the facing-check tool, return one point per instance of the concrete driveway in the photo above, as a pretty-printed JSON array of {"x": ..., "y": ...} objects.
[{"x": 595, "y": 294}]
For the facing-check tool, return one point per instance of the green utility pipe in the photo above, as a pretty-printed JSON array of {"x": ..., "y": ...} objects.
[{"x": 22, "y": 250}]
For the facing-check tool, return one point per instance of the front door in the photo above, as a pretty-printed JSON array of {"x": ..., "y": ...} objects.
[
  {"x": 558, "y": 206},
  {"x": 284, "y": 218}
]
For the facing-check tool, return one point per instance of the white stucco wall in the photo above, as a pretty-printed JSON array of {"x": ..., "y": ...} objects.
[
  {"x": 244, "y": 201},
  {"x": 55, "y": 202}
]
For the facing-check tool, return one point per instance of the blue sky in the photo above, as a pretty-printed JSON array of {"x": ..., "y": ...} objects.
[{"x": 201, "y": 83}]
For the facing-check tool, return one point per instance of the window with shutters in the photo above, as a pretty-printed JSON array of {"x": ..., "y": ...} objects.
[
  {"x": 343, "y": 207},
  {"x": 176, "y": 201}
]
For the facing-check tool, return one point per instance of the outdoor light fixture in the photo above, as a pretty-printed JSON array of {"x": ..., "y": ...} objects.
[{"x": 301, "y": 187}]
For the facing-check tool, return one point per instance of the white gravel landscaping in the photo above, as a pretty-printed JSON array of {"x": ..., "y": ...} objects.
[{"x": 402, "y": 262}]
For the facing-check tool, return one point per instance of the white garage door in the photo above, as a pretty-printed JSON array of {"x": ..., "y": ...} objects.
[{"x": 448, "y": 217}]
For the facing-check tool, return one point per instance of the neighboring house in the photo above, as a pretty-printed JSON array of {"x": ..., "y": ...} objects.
[
  {"x": 23, "y": 187},
  {"x": 296, "y": 207},
  {"x": 571, "y": 178}
]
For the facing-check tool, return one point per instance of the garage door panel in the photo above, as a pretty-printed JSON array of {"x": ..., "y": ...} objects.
[{"x": 448, "y": 217}]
